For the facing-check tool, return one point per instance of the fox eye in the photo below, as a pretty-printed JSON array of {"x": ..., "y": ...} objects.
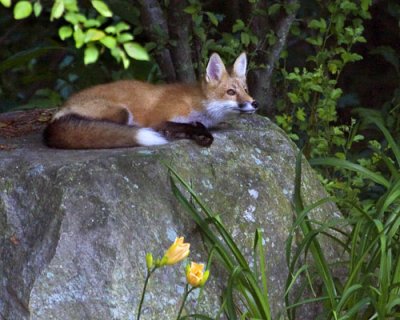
[{"x": 231, "y": 92}]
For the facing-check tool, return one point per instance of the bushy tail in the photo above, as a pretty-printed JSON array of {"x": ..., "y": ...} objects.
[{"x": 76, "y": 132}]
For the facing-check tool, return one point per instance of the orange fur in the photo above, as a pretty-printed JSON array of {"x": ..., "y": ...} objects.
[{"x": 131, "y": 103}]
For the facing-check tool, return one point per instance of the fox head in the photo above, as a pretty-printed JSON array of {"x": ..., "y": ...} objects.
[{"x": 226, "y": 92}]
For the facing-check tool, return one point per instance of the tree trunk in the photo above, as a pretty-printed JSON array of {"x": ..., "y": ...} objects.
[
  {"x": 156, "y": 28},
  {"x": 179, "y": 27},
  {"x": 260, "y": 79}
]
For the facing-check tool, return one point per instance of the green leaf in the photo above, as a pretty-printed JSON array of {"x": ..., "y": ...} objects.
[
  {"x": 316, "y": 41},
  {"x": 122, "y": 26},
  {"x": 6, "y": 3},
  {"x": 91, "y": 54},
  {"x": 57, "y": 10},
  {"x": 111, "y": 29},
  {"x": 245, "y": 38},
  {"x": 37, "y": 8},
  {"x": 22, "y": 10},
  {"x": 136, "y": 51},
  {"x": 300, "y": 114},
  {"x": 336, "y": 93},
  {"x": 124, "y": 37},
  {"x": 365, "y": 4},
  {"x": 109, "y": 42},
  {"x": 75, "y": 18},
  {"x": 318, "y": 24},
  {"x": 350, "y": 57},
  {"x": 274, "y": 9},
  {"x": 192, "y": 9},
  {"x": 340, "y": 18},
  {"x": 79, "y": 38},
  {"x": 294, "y": 98},
  {"x": 239, "y": 25},
  {"x": 212, "y": 18},
  {"x": 92, "y": 23},
  {"x": 102, "y": 8},
  {"x": 94, "y": 35},
  {"x": 65, "y": 32},
  {"x": 71, "y": 5}
]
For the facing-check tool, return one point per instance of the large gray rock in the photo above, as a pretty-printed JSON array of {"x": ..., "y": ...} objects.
[{"x": 75, "y": 225}]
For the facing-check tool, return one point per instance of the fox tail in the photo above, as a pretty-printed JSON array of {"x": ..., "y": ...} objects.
[{"x": 76, "y": 132}]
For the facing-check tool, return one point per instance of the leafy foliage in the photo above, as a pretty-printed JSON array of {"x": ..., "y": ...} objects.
[
  {"x": 87, "y": 30},
  {"x": 313, "y": 93}
]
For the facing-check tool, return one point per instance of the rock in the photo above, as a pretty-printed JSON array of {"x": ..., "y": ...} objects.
[{"x": 76, "y": 225}]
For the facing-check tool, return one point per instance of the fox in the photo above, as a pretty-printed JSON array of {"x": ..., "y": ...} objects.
[{"x": 131, "y": 113}]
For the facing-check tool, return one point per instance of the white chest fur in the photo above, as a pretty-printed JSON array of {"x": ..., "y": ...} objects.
[{"x": 214, "y": 112}]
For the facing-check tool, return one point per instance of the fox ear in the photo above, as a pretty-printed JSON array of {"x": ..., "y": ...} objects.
[
  {"x": 240, "y": 66},
  {"x": 215, "y": 68}
]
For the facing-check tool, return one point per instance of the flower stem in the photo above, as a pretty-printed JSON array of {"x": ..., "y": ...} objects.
[
  {"x": 185, "y": 295},
  {"x": 149, "y": 273}
]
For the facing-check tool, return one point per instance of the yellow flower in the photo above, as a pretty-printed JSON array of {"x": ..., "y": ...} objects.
[
  {"x": 176, "y": 252},
  {"x": 195, "y": 274}
]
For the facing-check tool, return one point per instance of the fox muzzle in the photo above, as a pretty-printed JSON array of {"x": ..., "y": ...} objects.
[{"x": 248, "y": 107}]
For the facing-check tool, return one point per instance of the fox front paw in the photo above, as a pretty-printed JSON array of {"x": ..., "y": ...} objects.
[{"x": 204, "y": 140}]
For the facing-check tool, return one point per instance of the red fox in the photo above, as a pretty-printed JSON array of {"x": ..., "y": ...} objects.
[{"x": 130, "y": 113}]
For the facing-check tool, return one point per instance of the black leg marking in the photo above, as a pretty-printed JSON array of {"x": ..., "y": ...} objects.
[{"x": 194, "y": 131}]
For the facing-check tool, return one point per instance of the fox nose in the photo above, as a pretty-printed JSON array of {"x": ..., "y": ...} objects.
[{"x": 254, "y": 104}]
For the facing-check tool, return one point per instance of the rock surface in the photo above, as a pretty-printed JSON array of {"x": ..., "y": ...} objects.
[{"x": 75, "y": 225}]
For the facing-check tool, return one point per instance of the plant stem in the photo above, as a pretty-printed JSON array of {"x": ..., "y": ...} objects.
[
  {"x": 149, "y": 273},
  {"x": 185, "y": 295}
]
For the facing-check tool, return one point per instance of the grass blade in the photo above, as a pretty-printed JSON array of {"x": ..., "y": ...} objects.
[{"x": 344, "y": 164}]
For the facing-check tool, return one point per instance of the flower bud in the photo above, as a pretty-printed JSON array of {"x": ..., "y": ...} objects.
[{"x": 149, "y": 261}]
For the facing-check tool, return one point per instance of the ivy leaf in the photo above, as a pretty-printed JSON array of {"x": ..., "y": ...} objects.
[
  {"x": 102, "y": 8},
  {"x": 22, "y": 10},
  {"x": 65, "y": 32},
  {"x": 91, "y": 54},
  {"x": 136, "y": 51}
]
